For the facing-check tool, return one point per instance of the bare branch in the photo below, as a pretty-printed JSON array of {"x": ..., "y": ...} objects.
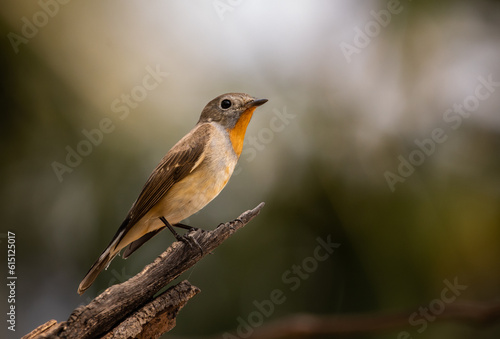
[
  {"x": 157, "y": 316},
  {"x": 305, "y": 325},
  {"x": 130, "y": 310},
  {"x": 308, "y": 325},
  {"x": 129, "y": 299}
]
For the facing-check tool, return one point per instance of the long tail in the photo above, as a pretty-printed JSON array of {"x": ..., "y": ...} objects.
[{"x": 101, "y": 263}]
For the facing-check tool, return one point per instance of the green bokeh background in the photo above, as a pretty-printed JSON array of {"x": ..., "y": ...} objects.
[{"x": 316, "y": 153}]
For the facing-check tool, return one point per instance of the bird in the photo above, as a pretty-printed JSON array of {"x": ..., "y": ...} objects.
[{"x": 192, "y": 173}]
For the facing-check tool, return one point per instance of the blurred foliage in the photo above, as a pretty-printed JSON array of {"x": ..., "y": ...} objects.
[{"x": 321, "y": 174}]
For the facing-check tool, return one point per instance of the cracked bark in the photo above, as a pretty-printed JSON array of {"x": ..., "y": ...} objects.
[{"x": 131, "y": 309}]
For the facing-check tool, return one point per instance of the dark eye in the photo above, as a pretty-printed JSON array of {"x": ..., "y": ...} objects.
[{"x": 225, "y": 104}]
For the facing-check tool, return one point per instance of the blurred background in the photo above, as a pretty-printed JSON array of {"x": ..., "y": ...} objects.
[{"x": 381, "y": 134}]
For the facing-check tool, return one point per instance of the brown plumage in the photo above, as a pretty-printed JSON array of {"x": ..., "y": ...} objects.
[{"x": 190, "y": 175}]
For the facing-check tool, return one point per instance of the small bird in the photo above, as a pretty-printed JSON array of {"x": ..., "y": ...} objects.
[{"x": 189, "y": 176}]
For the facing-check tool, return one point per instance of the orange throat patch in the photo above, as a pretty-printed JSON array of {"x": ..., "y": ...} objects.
[{"x": 237, "y": 134}]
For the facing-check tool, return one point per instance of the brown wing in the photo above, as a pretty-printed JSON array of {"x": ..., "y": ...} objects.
[{"x": 181, "y": 160}]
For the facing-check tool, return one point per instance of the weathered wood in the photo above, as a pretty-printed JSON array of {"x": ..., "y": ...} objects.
[
  {"x": 119, "y": 302},
  {"x": 157, "y": 316},
  {"x": 42, "y": 329}
]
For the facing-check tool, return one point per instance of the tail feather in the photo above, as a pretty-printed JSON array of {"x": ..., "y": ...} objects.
[
  {"x": 101, "y": 263},
  {"x": 104, "y": 259},
  {"x": 94, "y": 271}
]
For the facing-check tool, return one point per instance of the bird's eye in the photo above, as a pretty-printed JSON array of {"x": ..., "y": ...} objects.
[{"x": 225, "y": 104}]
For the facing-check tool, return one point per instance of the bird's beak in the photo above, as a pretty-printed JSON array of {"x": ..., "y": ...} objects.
[{"x": 257, "y": 102}]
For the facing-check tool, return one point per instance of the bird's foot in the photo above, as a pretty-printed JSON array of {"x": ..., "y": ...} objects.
[{"x": 191, "y": 242}]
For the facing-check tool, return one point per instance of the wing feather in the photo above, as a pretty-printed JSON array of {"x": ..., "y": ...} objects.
[{"x": 181, "y": 160}]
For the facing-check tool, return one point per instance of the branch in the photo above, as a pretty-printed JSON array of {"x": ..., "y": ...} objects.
[
  {"x": 157, "y": 316},
  {"x": 308, "y": 325},
  {"x": 131, "y": 306}
]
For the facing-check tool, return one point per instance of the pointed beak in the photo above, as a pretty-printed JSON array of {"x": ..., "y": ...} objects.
[{"x": 257, "y": 102}]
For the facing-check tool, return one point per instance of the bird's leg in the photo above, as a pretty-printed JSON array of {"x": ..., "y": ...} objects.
[
  {"x": 186, "y": 227},
  {"x": 185, "y": 239},
  {"x": 171, "y": 229}
]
